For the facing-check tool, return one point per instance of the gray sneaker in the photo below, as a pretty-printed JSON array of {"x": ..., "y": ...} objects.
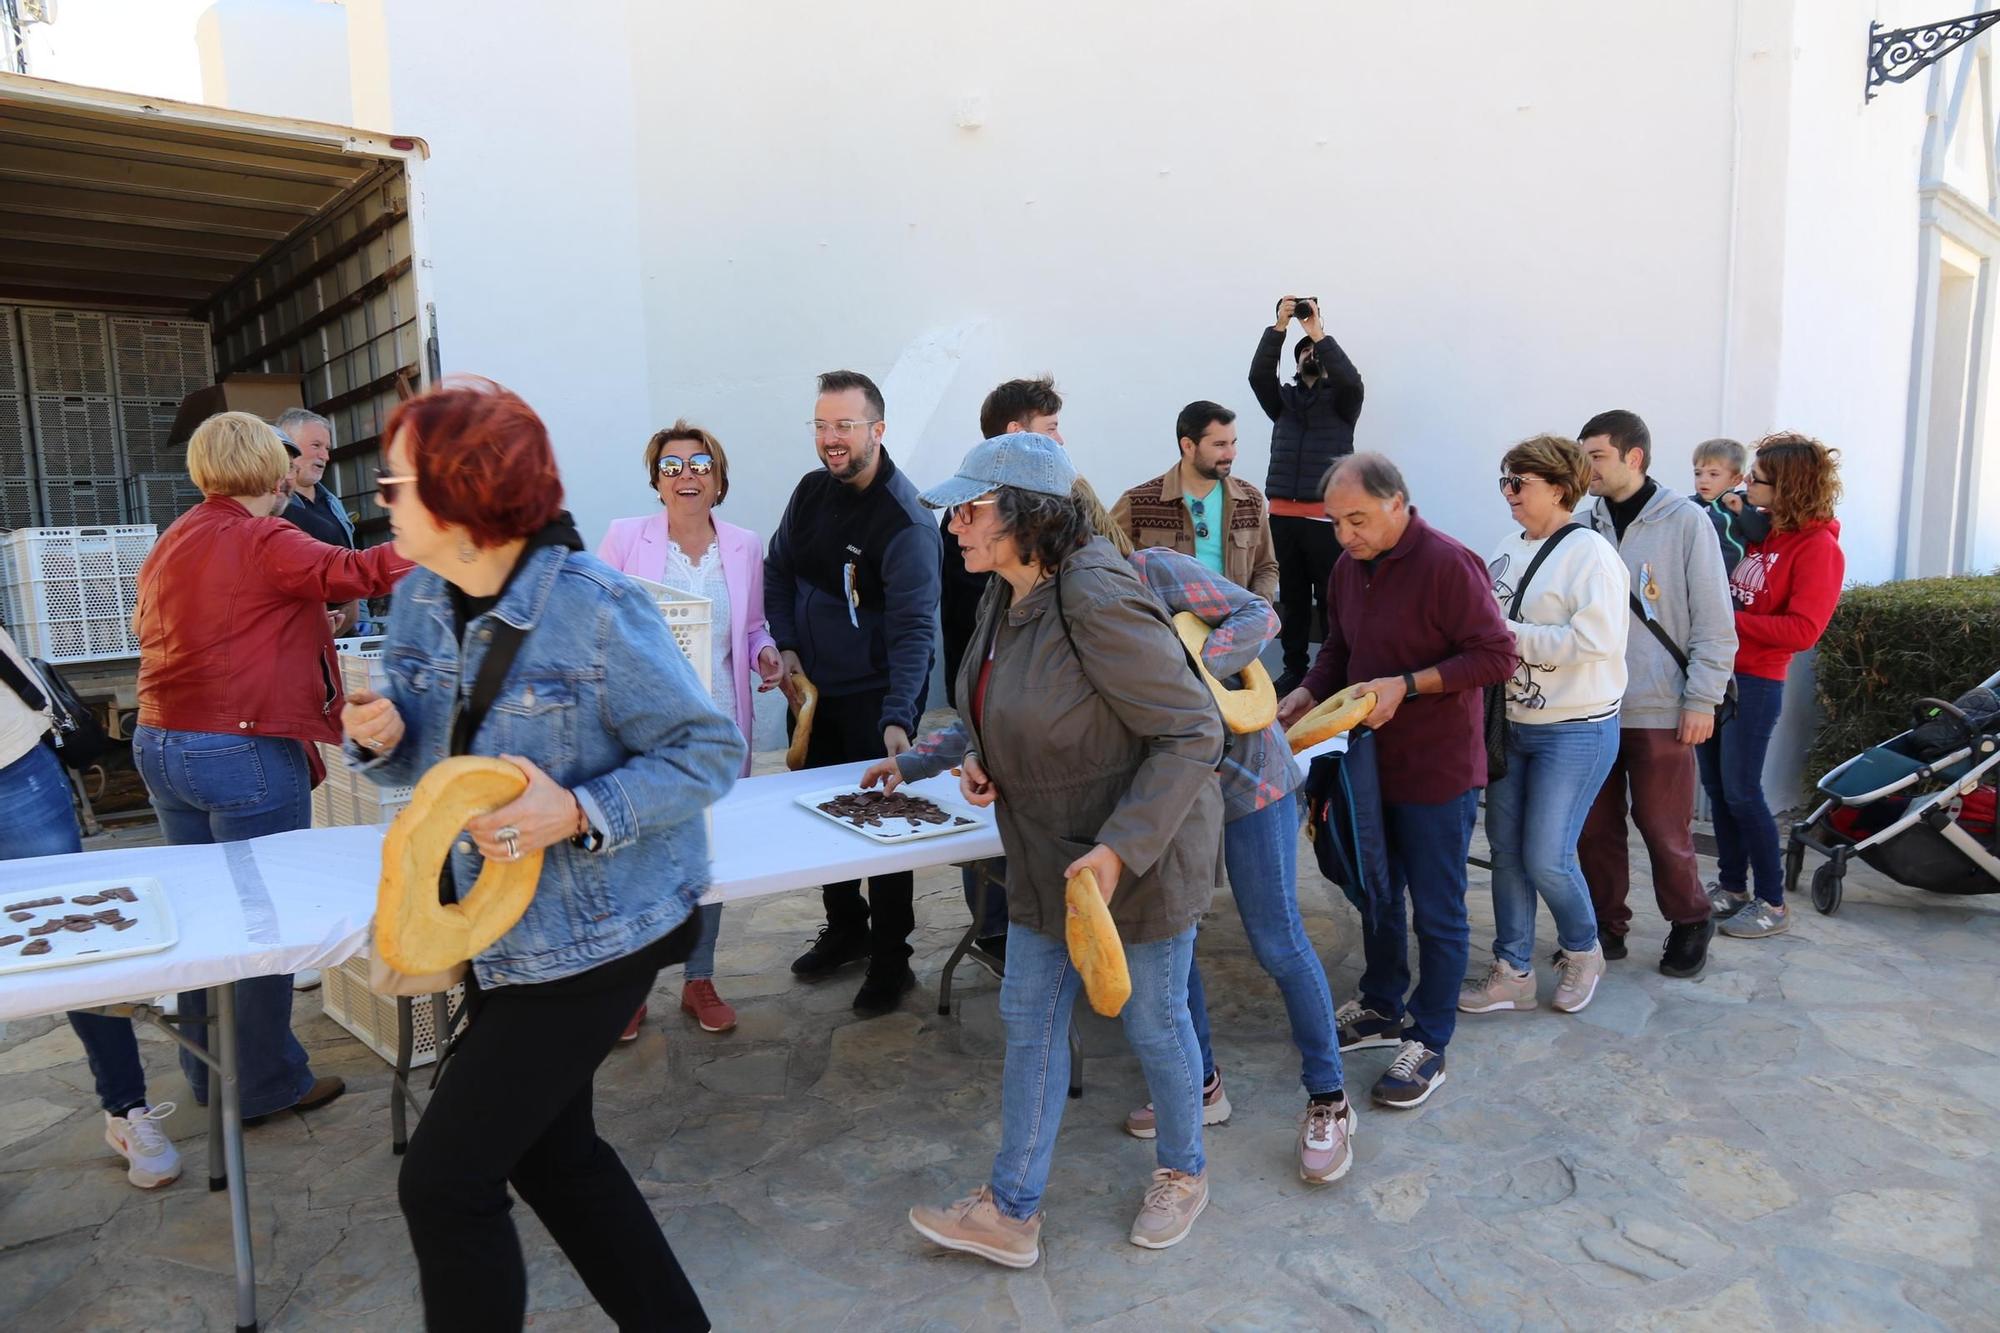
[
  {"x": 1501, "y": 988},
  {"x": 1724, "y": 903},
  {"x": 1173, "y": 1201},
  {"x": 1758, "y": 920}
]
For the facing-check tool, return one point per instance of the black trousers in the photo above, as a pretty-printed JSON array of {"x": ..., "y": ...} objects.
[
  {"x": 514, "y": 1107},
  {"x": 844, "y": 730},
  {"x": 1306, "y": 552}
]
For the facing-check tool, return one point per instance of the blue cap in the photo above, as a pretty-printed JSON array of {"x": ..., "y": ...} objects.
[{"x": 1023, "y": 460}]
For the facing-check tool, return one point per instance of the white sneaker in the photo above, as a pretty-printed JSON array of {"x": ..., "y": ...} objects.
[
  {"x": 306, "y": 980},
  {"x": 139, "y": 1140}
]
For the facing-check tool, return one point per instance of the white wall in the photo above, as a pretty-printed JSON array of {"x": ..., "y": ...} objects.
[{"x": 276, "y": 57}]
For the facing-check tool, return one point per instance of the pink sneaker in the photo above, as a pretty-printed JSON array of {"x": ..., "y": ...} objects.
[
  {"x": 1144, "y": 1123},
  {"x": 631, "y": 1032},
  {"x": 1325, "y": 1151},
  {"x": 699, "y": 1001}
]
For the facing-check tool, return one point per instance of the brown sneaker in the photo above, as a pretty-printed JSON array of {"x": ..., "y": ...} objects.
[
  {"x": 1577, "y": 975},
  {"x": 1144, "y": 1122},
  {"x": 700, "y": 1002},
  {"x": 1501, "y": 988},
  {"x": 1173, "y": 1201},
  {"x": 975, "y": 1225},
  {"x": 1325, "y": 1153}
]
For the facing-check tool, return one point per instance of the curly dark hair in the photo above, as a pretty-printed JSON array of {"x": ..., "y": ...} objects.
[
  {"x": 1045, "y": 528},
  {"x": 1804, "y": 476}
]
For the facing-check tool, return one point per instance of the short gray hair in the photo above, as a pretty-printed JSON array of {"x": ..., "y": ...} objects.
[
  {"x": 292, "y": 418},
  {"x": 1375, "y": 473}
]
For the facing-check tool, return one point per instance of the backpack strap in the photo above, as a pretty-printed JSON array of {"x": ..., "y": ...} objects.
[{"x": 1521, "y": 588}]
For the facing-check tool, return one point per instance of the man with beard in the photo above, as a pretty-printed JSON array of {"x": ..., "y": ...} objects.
[
  {"x": 1313, "y": 421},
  {"x": 851, "y": 594},
  {"x": 1197, "y": 508},
  {"x": 314, "y": 508}
]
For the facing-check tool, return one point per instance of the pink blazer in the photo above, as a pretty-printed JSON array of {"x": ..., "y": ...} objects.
[{"x": 638, "y": 546}]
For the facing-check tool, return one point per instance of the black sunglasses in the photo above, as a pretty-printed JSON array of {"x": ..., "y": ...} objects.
[
  {"x": 1511, "y": 484},
  {"x": 1199, "y": 509},
  {"x": 672, "y": 465}
]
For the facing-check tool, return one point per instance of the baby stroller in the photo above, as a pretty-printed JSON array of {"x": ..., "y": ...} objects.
[{"x": 1919, "y": 808}]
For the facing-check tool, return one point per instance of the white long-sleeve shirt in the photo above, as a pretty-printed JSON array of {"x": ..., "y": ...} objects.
[
  {"x": 1570, "y": 629},
  {"x": 21, "y": 727}
]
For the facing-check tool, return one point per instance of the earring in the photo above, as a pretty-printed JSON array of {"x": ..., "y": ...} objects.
[{"x": 466, "y": 552}]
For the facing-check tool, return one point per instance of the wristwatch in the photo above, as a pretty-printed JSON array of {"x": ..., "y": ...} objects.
[
  {"x": 592, "y": 838},
  {"x": 1410, "y": 682}
]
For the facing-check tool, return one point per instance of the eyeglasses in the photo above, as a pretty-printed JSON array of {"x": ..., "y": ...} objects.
[
  {"x": 962, "y": 513},
  {"x": 386, "y": 488},
  {"x": 1511, "y": 484},
  {"x": 1199, "y": 508},
  {"x": 1757, "y": 479},
  {"x": 843, "y": 427},
  {"x": 672, "y": 465}
]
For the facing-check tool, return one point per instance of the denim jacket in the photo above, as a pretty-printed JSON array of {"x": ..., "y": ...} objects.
[{"x": 601, "y": 698}]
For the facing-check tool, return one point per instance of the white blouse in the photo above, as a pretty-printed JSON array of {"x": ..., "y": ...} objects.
[{"x": 705, "y": 580}]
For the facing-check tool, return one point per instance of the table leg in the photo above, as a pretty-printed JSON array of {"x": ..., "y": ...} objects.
[
  {"x": 967, "y": 943},
  {"x": 222, "y": 1002},
  {"x": 1075, "y": 1060},
  {"x": 218, "y": 1174},
  {"x": 399, "y": 1082}
]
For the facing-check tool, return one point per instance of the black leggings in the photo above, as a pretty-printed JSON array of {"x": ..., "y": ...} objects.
[{"x": 514, "y": 1106}]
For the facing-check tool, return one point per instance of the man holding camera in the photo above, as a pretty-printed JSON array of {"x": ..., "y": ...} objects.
[{"x": 1312, "y": 427}]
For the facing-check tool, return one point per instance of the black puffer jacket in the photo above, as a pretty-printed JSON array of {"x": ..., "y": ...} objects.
[{"x": 1312, "y": 426}]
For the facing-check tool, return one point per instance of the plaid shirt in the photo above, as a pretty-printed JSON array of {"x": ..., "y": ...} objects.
[{"x": 1257, "y": 767}]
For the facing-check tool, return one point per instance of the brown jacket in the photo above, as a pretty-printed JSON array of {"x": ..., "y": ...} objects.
[
  {"x": 1154, "y": 514},
  {"x": 1115, "y": 742}
]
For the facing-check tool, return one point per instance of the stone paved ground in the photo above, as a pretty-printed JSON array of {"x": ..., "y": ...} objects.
[{"x": 1804, "y": 1137}]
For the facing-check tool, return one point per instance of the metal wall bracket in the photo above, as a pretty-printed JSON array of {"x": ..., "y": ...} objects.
[{"x": 1896, "y": 55}]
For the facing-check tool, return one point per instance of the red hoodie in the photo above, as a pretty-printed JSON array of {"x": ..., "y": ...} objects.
[{"x": 1785, "y": 588}]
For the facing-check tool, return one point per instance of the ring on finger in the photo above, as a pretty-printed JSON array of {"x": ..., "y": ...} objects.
[{"x": 513, "y": 848}]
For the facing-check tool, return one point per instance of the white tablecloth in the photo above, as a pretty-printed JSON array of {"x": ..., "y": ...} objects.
[{"x": 293, "y": 901}]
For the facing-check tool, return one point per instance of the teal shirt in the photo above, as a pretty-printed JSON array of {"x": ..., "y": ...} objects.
[{"x": 1207, "y": 513}]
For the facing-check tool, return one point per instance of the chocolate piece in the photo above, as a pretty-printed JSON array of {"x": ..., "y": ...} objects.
[
  {"x": 46, "y": 928},
  {"x": 126, "y": 924},
  {"x": 6, "y": 940},
  {"x": 122, "y": 894},
  {"x": 37, "y": 902},
  {"x": 20, "y": 916},
  {"x": 34, "y": 948},
  {"x": 88, "y": 899},
  {"x": 867, "y": 809},
  {"x": 79, "y": 926},
  {"x": 108, "y": 915}
]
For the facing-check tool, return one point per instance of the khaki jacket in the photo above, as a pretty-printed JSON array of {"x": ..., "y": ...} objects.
[
  {"x": 1154, "y": 514},
  {"x": 1115, "y": 742}
]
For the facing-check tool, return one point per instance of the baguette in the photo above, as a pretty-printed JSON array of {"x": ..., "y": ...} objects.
[
  {"x": 1343, "y": 712},
  {"x": 1094, "y": 945},
  {"x": 414, "y": 932},
  {"x": 1252, "y": 708},
  {"x": 795, "y": 758}
]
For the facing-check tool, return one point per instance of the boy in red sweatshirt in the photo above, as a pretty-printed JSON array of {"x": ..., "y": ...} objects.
[{"x": 1785, "y": 589}]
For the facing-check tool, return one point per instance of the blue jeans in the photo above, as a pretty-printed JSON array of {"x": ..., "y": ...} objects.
[
  {"x": 38, "y": 819},
  {"x": 1261, "y": 850},
  {"x": 1428, "y": 845},
  {"x": 700, "y": 965},
  {"x": 995, "y": 920},
  {"x": 1732, "y": 772},
  {"x": 214, "y": 787},
  {"x": 1037, "y": 993},
  {"x": 1533, "y": 818}
]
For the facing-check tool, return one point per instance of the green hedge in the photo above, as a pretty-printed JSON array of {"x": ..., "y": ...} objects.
[{"x": 1892, "y": 643}]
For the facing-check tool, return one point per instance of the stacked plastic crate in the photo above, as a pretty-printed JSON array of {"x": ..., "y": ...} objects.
[
  {"x": 156, "y": 363},
  {"x": 66, "y": 594},
  {"x": 18, "y": 506},
  {"x": 79, "y": 467}
]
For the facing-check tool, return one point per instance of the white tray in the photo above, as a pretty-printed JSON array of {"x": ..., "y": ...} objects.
[
  {"x": 901, "y": 832},
  {"x": 155, "y": 931}
]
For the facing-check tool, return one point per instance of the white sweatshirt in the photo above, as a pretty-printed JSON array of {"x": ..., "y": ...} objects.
[
  {"x": 1570, "y": 630},
  {"x": 21, "y": 728}
]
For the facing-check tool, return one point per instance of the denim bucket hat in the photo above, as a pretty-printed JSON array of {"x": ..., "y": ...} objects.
[{"x": 1023, "y": 460}]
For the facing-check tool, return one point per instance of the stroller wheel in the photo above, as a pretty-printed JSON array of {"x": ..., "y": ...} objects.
[{"x": 1826, "y": 889}]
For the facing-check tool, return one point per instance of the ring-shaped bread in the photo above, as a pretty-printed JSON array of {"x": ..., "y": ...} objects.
[
  {"x": 414, "y": 932},
  {"x": 1343, "y": 712},
  {"x": 1252, "y": 708}
]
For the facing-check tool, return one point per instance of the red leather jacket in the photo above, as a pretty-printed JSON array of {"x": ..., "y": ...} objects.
[{"x": 232, "y": 625}]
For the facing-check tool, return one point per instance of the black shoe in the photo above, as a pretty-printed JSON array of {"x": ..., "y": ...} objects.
[
  {"x": 883, "y": 989},
  {"x": 1613, "y": 946},
  {"x": 996, "y": 945},
  {"x": 832, "y": 949},
  {"x": 1687, "y": 949}
]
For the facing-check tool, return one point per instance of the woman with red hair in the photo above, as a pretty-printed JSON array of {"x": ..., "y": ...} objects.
[{"x": 510, "y": 641}]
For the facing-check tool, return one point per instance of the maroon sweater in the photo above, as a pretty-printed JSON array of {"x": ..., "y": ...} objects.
[{"x": 1425, "y": 602}]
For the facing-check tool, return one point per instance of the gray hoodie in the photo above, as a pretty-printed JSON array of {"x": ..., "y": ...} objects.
[{"x": 1676, "y": 567}]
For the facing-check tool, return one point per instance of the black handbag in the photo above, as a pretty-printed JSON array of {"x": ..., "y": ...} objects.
[
  {"x": 1498, "y": 729},
  {"x": 77, "y": 737},
  {"x": 1724, "y": 710}
]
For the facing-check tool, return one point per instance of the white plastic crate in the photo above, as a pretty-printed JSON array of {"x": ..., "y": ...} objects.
[
  {"x": 143, "y": 428},
  {"x": 160, "y": 498},
  {"x": 20, "y": 505},
  {"x": 67, "y": 593},
  {"x": 77, "y": 437},
  {"x": 160, "y": 358},
  {"x": 688, "y": 617},
  {"x": 372, "y": 1018},
  {"x": 15, "y": 446},
  {"x": 66, "y": 351}
]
